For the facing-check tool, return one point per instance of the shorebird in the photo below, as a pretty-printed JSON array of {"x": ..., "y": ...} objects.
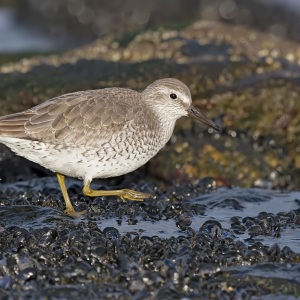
[{"x": 100, "y": 133}]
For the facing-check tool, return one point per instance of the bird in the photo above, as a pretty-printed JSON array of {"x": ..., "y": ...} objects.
[{"x": 100, "y": 133}]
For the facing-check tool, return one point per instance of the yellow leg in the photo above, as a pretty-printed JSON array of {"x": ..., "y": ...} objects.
[
  {"x": 123, "y": 194},
  {"x": 69, "y": 207}
]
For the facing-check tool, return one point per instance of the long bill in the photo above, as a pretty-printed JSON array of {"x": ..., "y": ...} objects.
[{"x": 198, "y": 116}]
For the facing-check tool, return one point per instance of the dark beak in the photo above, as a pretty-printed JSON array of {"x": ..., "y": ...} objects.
[{"x": 198, "y": 116}]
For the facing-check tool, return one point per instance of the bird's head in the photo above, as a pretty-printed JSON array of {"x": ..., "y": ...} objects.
[{"x": 173, "y": 97}]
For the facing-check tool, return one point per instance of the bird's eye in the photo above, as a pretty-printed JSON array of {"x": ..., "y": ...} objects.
[{"x": 173, "y": 96}]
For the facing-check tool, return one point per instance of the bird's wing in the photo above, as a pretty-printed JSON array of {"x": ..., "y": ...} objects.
[{"x": 81, "y": 118}]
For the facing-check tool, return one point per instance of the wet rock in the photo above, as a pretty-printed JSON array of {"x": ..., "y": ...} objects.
[
  {"x": 184, "y": 220},
  {"x": 6, "y": 282},
  {"x": 125, "y": 265},
  {"x": 213, "y": 228},
  {"x": 27, "y": 274},
  {"x": 112, "y": 234}
]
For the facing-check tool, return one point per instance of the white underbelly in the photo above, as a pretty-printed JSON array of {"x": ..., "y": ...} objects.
[{"x": 78, "y": 161}]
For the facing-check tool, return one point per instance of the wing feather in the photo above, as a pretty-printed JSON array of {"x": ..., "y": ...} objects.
[{"x": 88, "y": 117}]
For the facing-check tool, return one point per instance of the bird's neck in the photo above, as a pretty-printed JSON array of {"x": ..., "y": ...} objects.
[
  {"x": 166, "y": 128},
  {"x": 164, "y": 123}
]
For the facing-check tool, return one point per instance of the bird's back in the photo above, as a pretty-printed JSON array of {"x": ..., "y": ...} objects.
[{"x": 82, "y": 118}]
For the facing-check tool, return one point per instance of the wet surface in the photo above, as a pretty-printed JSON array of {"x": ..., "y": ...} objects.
[
  {"x": 203, "y": 242},
  {"x": 228, "y": 206}
]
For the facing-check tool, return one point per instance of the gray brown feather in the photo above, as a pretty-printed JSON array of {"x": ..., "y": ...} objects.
[{"x": 81, "y": 118}]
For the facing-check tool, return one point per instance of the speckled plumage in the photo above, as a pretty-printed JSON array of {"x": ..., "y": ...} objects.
[{"x": 98, "y": 133}]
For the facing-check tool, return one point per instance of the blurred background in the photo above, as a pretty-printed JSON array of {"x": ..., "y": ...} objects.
[{"x": 56, "y": 25}]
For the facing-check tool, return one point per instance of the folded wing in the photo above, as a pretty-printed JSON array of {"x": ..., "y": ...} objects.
[{"x": 82, "y": 118}]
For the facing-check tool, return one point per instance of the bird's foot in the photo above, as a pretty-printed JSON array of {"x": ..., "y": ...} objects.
[
  {"x": 74, "y": 214},
  {"x": 124, "y": 194},
  {"x": 69, "y": 207},
  {"x": 127, "y": 194}
]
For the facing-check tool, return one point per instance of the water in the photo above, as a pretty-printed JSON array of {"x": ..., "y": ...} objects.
[
  {"x": 254, "y": 201},
  {"x": 14, "y": 37},
  {"x": 17, "y": 37},
  {"x": 218, "y": 206}
]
